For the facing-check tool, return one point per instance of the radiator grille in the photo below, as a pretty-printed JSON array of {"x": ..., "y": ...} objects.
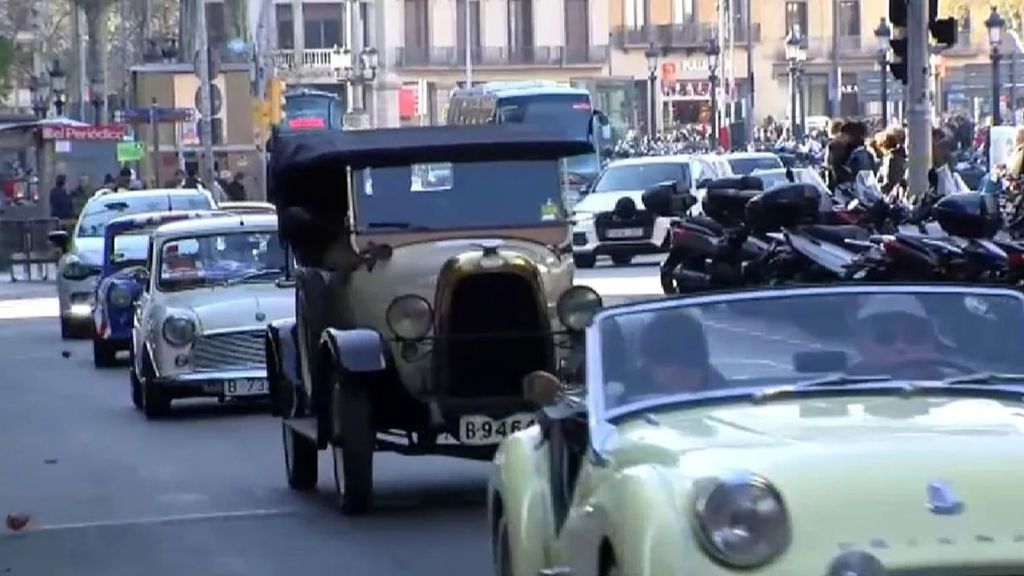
[{"x": 231, "y": 351}]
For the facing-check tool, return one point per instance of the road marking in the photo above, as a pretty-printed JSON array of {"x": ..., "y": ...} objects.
[
  {"x": 27, "y": 308},
  {"x": 157, "y": 520}
]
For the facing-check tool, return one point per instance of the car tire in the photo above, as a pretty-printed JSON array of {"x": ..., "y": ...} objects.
[
  {"x": 104, "y": 355},
  {"x": 66, "y": 332},
  {"x": 622, "y": 259},
  {"x": 502, "y": 549},
  {"x": 155, "y": 402},
  {"x": 300, "y": 459},
  {"x": 584, "y": 260},
  {"x": 352, "y": 447},
  {"x": 133, "y": 378}
]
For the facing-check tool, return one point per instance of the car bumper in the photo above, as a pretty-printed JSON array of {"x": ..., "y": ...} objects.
[
  {"x": 77, "y": 298},
  {"x": 586, "y": 242},
  {"x": 213, "y": 384}
]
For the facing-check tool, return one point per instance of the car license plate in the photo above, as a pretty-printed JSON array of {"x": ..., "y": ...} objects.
[
  {"x": 246, "y": 387},
  {"x": 481, "y": 430},
  {"x": 626, "y": 233}
]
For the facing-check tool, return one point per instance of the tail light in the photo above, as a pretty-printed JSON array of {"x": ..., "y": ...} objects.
[
  {"x": 679, "y": 234},
  {"x": 1015, "y": 259}
]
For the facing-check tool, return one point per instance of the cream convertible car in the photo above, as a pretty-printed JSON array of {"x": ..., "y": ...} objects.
[{"x": 717, "y": 437}]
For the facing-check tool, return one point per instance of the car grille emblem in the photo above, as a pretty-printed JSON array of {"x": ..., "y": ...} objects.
[
  {"x": 942, "y": 500},
  {"x": 260, "y": 316}
]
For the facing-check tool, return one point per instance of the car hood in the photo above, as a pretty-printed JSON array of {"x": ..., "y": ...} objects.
[
  {"x": 235, "y": 307},
  {"x": 89, "y": 250},
  {"x": 869, "y": 461},
  {"x": 605, "y": 201}
]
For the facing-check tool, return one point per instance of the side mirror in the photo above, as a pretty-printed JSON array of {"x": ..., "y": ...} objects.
[
  {"x": 703, "y": 183},
  {"x": 542, "y": 388},
  {"x": 59, "y": 238},
  {"x": 285, "y": 283},
  {"x": 682, "y": 186},
  {"x": 821, "y": 361},
  {"x": 141, "y": 274},
  {"x": 658, "y": 199}
]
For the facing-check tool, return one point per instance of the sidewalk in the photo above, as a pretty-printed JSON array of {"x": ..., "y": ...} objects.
[{"x": 25, "y": 289}]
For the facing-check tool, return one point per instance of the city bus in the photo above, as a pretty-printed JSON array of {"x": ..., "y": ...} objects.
[
  {"x": 543, "y": 103},
  {"x": 306, "y": 109}
]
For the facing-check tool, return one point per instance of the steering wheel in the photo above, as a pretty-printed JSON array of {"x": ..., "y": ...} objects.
[{"x": 908, "y": 365}]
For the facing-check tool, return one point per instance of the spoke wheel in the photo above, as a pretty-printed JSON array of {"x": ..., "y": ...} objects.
[{"x": 352, "y": 447}]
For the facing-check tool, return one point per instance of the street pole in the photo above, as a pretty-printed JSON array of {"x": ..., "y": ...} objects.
[
  {"x": 919, "y": 108},
  {"x": 713, "y": 140},
  {"x": 884, "y": 72},
  {"x": 652, "y": 105},
  {"x": 154, "y": 135},
  {"x": 750, "y": 72},
  {"x": 469, "y": 52},
  {"x": 836, "y": 80},
  {"x": 997, "y": 112},
  {"x": 802, "y": 85},
  {"x": 205, "y": 106},
  {"x": 794, "y": 115}
]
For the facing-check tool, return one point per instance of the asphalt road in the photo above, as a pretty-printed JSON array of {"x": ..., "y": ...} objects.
[{"x": 204, "y": 492}]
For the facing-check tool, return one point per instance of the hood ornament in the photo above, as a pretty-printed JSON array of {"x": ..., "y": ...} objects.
[
  {"x": 260, "y": 316},
  {"x": 942, "y": 500}
]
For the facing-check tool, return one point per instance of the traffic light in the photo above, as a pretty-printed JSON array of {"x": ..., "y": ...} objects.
[
  {"x": 275, "y": 100},
  {"x": 943, "y": 30},
  {"x": 898, "y": 43}
]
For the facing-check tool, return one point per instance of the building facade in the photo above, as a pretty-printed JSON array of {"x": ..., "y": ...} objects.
[{"x": 422, "y": 48}]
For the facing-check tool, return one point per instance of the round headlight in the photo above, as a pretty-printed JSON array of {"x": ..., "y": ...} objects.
[
  {"x": 120, "y": 296},
  {"x": 179, "y": 331},
  {"x": 410, "y": 317},
  {"x": 742, "y": 521},
  {"x": 577, "y": 307}
]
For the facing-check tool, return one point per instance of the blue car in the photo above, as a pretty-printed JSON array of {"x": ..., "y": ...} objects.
[{"x": 122, "y": 278}]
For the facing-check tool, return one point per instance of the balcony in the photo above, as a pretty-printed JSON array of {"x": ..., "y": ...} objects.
[
  {"x": 684, "y": 36},
  {"x": 501, "y": 57},
  {"x": 311, "y": 58}
]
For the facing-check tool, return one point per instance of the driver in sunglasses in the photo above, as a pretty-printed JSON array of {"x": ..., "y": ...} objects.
[{"x": 893, "y": 333}]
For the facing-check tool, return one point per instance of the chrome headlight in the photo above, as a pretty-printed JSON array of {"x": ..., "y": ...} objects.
[
  {"x": 577, "y": 307},
  {"x": 742, "y": 521},
  {"x": 179, "y": 330},
  {"x": 410, "y": 317},
  {"x": 74, "y": 269},
  {"x": 120, "y": 296}
]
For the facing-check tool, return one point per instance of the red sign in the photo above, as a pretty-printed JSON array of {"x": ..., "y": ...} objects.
[
  {"x": 308, "y": 122},
  {"x": 408, "y": 102},
  {"x": 109, "y": 132}
]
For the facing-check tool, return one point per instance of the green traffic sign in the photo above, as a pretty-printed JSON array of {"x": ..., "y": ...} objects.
[{"x": 130, "y": 151}]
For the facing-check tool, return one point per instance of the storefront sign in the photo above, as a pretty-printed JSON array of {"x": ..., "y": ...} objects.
[{"x": 109, "y": 132}]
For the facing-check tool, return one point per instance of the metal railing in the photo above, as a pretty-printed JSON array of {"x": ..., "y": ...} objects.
[
  {"x": 683, "y": 35},
  {"x": 543, "y": 56},
  {"x": 311, "y": 58},
  {"x": 25, "y": 244}
]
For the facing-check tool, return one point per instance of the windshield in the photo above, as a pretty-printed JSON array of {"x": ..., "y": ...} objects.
[
  {"x": 641, "y": 176},
  {"x": 776, "y": 178},
  {"x": 570, "y": 112},
  {"x": 463, "y": 195},
  {"x": 312, "y": 111},
  {"x": 99, "y": 212},
  {"x": 129, "y": 249},
  {"x": 744, "y": 165},
  {"x": 686, "y": 350},
  {"x": 217, "y": 259}
]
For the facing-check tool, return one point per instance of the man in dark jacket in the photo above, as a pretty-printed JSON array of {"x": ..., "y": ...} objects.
[
  {"x": 61, "y": 206},
  {"x": 236, "y": 189}
]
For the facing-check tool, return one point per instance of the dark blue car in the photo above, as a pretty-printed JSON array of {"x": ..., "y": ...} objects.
[{"x": 123, "y": 275}]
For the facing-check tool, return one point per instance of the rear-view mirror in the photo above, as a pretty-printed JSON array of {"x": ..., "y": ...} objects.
[
  {"x": 541, "y": 388},
  {"x": 820, "y": 361},
  {"x": 60, "y": 239}
]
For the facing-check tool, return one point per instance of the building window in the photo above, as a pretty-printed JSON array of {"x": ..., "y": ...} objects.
[
  {"x": 217, "y": 33},
  {"x": 849, "y": 18},
  {"x": 322, "y": 25},
  {"x": 520, "y": 29},
  {"x": 635, "y": 12},
  {"x": 285, "y": 27},
  {"x": 417, "y": 25},
  {"x": 796, "y": 16},
  {"x": 963, "y": 26},
  {"x": 474, "y": 28},
  {"x": 366, "y": 19},
  {"x": 577, "y": 30},
  {"x": 682, "y": 11}
]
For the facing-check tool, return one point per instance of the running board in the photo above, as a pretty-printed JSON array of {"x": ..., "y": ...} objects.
[{"x": 304, "y": 426}]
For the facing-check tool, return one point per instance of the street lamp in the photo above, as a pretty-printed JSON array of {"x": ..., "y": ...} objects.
[
  {"x": 58, "y": 79},
  {"x": 97, "y": 101},
  {"x": 884, "y": 34},
  {"x": 652, "y": 54},
  {"x": 712, "y": 51},
  {"x": 794, "y": 55},
  {"x": 995, "y": 24}
]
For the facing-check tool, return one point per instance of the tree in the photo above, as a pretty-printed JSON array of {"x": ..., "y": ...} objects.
[{"x": 8, "y": 58}]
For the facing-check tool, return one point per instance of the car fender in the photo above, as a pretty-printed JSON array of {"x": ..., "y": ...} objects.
[
  {"x": 519, "y": 481},
  {"x": 283, "y": 370},
  {"x": 643, "y": 516},
  {"x": 357, "y": 350}
]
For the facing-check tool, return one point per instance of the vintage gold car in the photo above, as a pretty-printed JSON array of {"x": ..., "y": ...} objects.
[
  {"x": 435, "y": 271},
  {"x": 717, "y": 437}
]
